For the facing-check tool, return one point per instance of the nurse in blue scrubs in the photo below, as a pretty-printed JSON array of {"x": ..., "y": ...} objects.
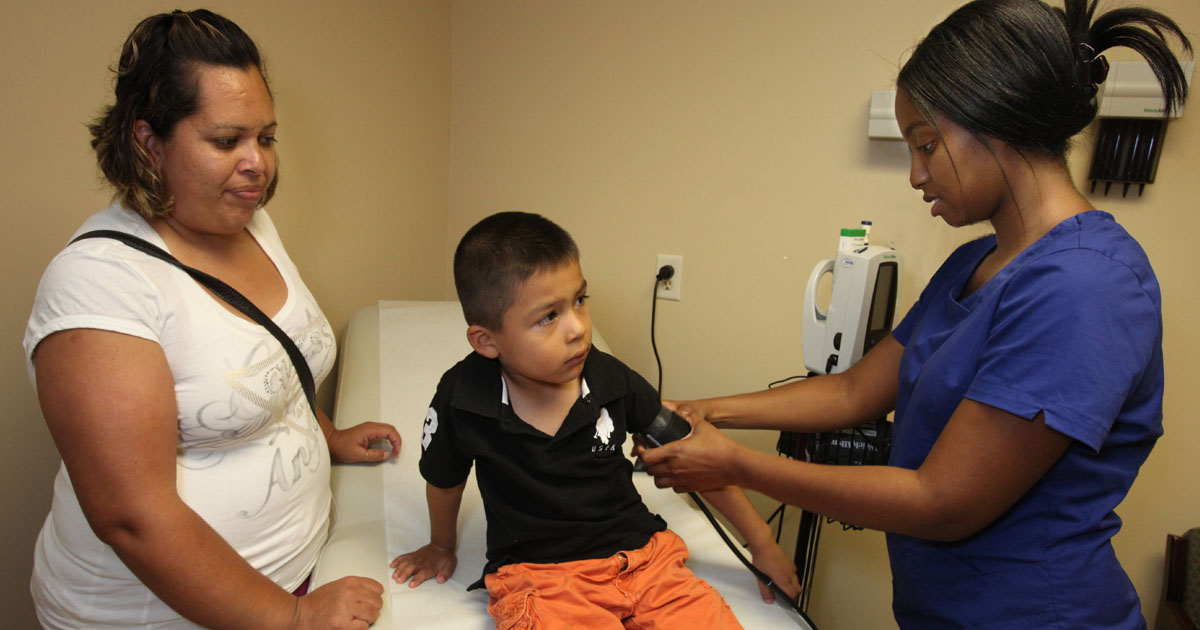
[{"x": 1026, "y": 381}]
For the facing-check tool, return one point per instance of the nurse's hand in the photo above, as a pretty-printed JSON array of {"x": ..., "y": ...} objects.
[
  {"x": 689, "y": 409},
  {"x": 705, "y": 460}
]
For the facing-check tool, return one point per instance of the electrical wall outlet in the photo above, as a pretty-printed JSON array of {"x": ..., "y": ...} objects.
[{"x": 670, "y": 288}]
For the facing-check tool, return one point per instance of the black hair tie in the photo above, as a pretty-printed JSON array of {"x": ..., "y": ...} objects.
[{"x": 1093, "y": 68}]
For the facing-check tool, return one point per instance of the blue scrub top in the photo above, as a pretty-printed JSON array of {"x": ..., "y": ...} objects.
[{"x": 1070, "y": 328}]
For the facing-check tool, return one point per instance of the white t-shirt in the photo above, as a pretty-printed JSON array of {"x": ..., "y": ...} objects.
[{"x": 251, "y": 458}]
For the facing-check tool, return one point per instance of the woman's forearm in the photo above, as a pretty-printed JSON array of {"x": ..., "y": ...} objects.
[
  {"x": 183, "y": 561},
  {"x": 109, "y": 403}
]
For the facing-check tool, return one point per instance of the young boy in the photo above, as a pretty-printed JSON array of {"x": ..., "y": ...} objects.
[{"x": 543, "y": 416}]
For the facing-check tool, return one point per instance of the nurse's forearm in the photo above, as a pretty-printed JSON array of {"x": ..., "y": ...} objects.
[
  {"x": 983, "y": 462},
  {"x": 884, "y": 498},
  {"x": 822, "y": 403}
]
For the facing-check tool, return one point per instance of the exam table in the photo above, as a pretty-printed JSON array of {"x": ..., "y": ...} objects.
[{"x": 392, "y": 357}]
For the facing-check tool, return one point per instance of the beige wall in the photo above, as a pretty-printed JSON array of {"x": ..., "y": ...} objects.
[
  {"x": 362, "y": 93},
  {"x": 732, "y": 133}
]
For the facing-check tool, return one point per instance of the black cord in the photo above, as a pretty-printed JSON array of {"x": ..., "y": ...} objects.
[
  {"x": 653, "y": 312},
  {"x": 762, "y": 577},
  {"x": 665, "y": 273},
  {"x": 810, "y": 557},
  {"x": 806, "y": 522},
  {"x": 784, "y": 380}
]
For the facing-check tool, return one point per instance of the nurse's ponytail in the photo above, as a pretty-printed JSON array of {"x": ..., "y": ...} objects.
[{"x": 1027, "y": 74}]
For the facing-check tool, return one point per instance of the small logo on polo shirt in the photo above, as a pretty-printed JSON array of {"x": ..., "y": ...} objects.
[
  {"x": 604, "y": 426},
  {"x": 604, "y": 431},
  {"x": 431, "y": 425}
]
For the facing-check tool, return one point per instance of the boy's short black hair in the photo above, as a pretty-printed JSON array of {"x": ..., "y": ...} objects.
[{"x": 500, "y": 253}]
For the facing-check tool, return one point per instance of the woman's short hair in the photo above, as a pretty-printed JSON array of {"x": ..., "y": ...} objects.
[
  {"x": 1026, "y": 74},
  {"x": 157, "y": 81}
]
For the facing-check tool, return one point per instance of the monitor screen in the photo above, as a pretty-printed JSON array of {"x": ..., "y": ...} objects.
[{"x": 883, "y": 305}]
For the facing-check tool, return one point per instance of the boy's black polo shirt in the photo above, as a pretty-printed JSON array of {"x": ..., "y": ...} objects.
[{"x": 547, "y": 499}]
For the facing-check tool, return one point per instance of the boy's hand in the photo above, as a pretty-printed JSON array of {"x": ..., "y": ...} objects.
[
  {"x": 770, "y": 559},
  {"x": 430, "y": 561}
]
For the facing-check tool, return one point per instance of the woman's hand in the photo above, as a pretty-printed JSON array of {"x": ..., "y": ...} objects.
[
  {"x": 351, "y": 603},
  {"x": 353, "y": 445},
  {"x": 705, "y": 460}
]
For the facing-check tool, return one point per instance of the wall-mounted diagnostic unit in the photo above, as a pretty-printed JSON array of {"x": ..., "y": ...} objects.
[{"x": 862, "y": 307}]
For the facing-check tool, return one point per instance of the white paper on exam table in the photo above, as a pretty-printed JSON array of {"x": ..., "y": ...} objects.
[{"x": 418, "y": 342}]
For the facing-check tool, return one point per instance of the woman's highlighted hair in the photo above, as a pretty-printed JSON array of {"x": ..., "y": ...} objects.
[{"x": 156, "y": 82}]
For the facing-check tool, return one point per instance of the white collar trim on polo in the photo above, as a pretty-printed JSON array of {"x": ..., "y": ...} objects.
[{"x": 584, "y": 390}]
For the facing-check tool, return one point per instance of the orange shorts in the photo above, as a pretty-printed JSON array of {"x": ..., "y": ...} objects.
[{"x": 644, "y": 589}]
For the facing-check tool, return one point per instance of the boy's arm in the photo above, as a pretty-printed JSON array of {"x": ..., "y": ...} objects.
[
  {"x": 437, "y": 559},
  {"x": 733, "y": 503}
]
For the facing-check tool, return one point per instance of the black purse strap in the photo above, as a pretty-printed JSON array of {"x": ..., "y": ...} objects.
[{"x": 231, "y": 296}]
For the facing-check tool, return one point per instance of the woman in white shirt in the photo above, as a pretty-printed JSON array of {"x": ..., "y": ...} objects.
[{"x": 194, "y": 490}]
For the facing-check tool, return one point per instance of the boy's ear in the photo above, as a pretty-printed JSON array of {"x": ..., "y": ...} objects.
[{"x": 482, "y": 340}]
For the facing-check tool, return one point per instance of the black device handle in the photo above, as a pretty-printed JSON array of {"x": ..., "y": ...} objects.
[{"x": 667, "y": 426}]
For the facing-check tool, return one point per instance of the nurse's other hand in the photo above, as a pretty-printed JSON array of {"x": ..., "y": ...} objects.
[{"x": 690, "y": 409}]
